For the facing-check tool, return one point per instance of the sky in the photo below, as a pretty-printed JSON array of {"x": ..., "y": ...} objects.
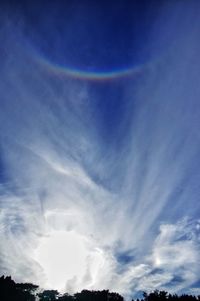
[{"x": 99, "y": 145}]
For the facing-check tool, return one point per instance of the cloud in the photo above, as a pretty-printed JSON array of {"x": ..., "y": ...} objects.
[
  {"x": 172, "y": 264},
  {"x": 176, "y": 250},
  {"x": 126, "y": 200}
]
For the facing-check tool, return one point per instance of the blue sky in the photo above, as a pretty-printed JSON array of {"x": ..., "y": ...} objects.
[{"x": 99, "y": 145}]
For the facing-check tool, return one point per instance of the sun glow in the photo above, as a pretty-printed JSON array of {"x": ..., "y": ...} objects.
[{"x": 64, "y": 256}]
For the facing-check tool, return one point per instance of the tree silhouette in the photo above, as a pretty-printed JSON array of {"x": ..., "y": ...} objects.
[
  {"x": 11, "y": 291},
  {"x": 156, "y": 296},
  {"x": 66, "y": 297},
  {"x": 48, "y": 295}
]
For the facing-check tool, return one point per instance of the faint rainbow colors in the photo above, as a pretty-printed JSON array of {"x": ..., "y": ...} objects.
[{"x": 91, "y": 75}]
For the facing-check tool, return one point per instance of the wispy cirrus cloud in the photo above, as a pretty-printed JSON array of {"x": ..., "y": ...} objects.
[{"x": 67, "y": 181}]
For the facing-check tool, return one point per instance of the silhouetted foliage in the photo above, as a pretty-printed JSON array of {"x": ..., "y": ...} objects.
[
  {"x": 164, "y": 296},
  {"x": 27, "y": 287},
  {"x": 104, "y": 295},
  {"x": 156, "y": 296},
  {"x": 48, "y": 295},
  {"x": 66, "y": 297},
  {"x": 11, "y": 291}
]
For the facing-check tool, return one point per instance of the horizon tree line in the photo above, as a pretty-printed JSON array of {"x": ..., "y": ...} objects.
[{"x": 12, "y": 291}]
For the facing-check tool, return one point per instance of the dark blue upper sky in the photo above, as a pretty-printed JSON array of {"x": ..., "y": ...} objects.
[{"x": 106, "y": 35}]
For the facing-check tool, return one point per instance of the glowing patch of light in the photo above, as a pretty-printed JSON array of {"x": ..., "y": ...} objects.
[
  {"x": 158, "y": 261},
  {"x": 63, "y": 255}
]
